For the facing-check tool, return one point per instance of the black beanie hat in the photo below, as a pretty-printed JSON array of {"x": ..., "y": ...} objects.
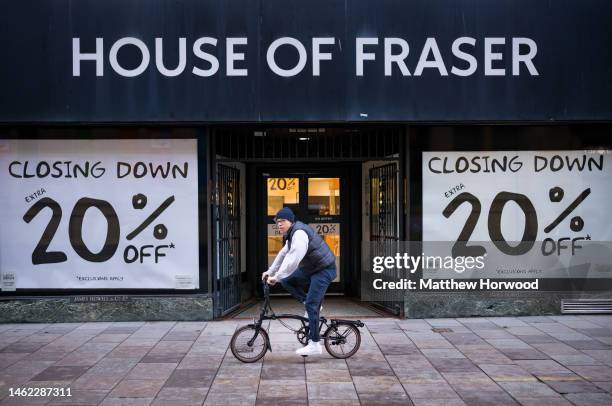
[{"x": 286, "y": 214}]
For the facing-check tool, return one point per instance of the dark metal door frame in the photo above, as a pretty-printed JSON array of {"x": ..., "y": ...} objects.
[
  {"x": 385, "y": 227},
  {"x": 226, "y": 275}
]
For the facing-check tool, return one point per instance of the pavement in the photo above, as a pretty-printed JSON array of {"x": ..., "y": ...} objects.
[{"x": 551, "y": 360}]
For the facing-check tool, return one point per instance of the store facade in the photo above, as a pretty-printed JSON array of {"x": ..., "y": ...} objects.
[{"x": 145, "y": 147}]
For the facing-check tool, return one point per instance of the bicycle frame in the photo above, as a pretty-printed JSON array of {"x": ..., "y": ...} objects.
[{"x": 263, "y": 316}]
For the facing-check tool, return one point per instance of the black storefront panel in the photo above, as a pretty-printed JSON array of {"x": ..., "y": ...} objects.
[
  {"x": 299, "y": 72},
  {"x": 444, "y": 60}
]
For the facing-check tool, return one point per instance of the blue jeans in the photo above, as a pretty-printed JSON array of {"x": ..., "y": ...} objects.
[{"x": 319, "y": 281}]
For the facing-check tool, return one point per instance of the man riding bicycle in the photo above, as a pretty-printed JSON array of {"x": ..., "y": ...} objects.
[{"x": 305, "y": 258}]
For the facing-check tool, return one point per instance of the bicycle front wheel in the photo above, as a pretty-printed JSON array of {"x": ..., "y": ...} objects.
[
  {"x": 248, "y": 348},
  {"x": 342, "y": 340}
]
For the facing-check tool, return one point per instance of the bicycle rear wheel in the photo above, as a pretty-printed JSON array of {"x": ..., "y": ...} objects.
[
  {"x": 342, "y": 340},
  {"x": 240, "y": 344}
]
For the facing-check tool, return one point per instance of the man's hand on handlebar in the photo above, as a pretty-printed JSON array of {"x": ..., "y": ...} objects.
[{"x": 270, "y": 280}]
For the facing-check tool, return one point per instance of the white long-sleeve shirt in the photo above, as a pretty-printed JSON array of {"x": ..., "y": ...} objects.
[{"x": 287, "y": 259}]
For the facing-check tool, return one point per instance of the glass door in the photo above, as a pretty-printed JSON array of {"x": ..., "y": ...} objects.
[
  {"x": 323, "y": 213},
  {"x": 281, "y": 192},
  {"x": 315, "y": 200}
]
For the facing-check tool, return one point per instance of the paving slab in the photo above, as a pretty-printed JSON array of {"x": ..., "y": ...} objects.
[
  {"x": 484, "y": 399},
  {"x": 331, "y": 391},
  {"x": 528, "y": 389},
  {"x": 590, "y": 399},
  {"x": 579, "y": 386}
]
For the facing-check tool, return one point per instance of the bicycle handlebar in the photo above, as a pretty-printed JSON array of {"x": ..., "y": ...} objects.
[{"x": 266, "y": 287}]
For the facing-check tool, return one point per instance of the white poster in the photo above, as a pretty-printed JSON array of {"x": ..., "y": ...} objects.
[
  {"x": 91, "y": 214},
  {"x": 532, "y": 214}
]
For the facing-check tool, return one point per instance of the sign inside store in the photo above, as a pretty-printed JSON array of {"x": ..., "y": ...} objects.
[
  {"x": 531, "y": 213},
  {"x": 90, "y": 214}
]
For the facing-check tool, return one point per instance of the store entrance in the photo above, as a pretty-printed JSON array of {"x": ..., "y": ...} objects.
[
  {"x": 316, "y": 197},
  {"x": 322, "y": 174}
]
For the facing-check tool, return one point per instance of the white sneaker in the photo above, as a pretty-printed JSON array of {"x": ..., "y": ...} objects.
[
  {"x": 320, "y": 311},
  {"x": 311, "y": 349}
]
